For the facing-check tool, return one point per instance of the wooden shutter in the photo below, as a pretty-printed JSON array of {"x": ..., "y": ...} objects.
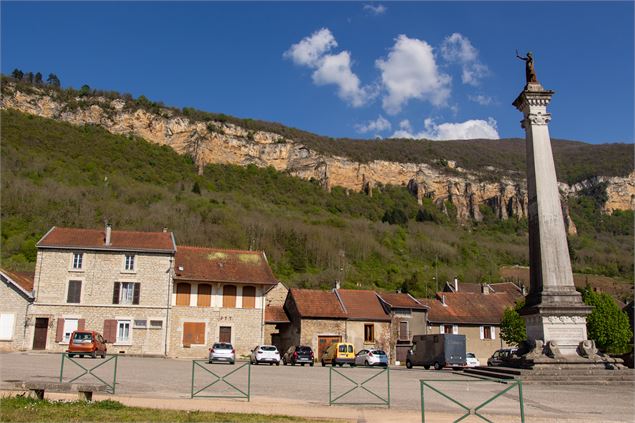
[
  {"x": 136, "y": 293},
  {"x": 110, "y": 330},
  {"x": 493, "y": 331},
  {"x": 59, "y": 334},
  {"x": 249, "y": 297},
  {"x": 81, "y": 324},
  {"x": 229, "y": 296},
  {"x": 403, "y": 330},
  {"x": 193, "y": 333},
  {"x": 115, "y": 293},
  {"x": 204, "y": 296},
  {"x": 183, "y": 294},
  {"x": 225, "y": 334},
  {"x": 74, "y": 291},
  {"x": 482, "y": 332}
]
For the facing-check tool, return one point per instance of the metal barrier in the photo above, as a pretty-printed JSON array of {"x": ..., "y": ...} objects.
[
  {"x": 474, "y": 410},
  {"x": 220, "y": 378},
  {"x": 360, "y": 385},
  {"x": 110, "y": 388}
]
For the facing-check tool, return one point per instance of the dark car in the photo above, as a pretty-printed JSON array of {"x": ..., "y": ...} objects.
[
  {"x": 499, "y": 356},
  {"x": 299, "y": 354}
]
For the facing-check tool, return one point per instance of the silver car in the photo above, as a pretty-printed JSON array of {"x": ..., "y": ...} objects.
[
  {"x": 222, "y": 351},
  {"x": 265, "y": 354},
  {"x": 371, "y": 358}
]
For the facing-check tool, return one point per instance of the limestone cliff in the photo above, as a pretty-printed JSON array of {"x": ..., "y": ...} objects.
[{"x": 225, "y": 143}]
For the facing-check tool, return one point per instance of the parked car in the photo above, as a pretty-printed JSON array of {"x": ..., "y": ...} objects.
[
  {"x": 371, "y": 358},
  {"x": 87, "y": 342},
  {"x": 499, "y": 356},
  {"x": 471, "y": 360},
  {"x": 222, "y": 351},
  {"x": 265, "y": 354},
  {"x": 298, "y": 354},
  {"x": 442, "y": 350},
  {"x": 339, "y": 353}
]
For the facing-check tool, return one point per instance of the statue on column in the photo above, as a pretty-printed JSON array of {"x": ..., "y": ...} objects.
[{"x": 530, "y": 72}]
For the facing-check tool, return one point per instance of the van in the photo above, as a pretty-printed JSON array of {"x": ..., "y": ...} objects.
[
  {"x": 87, "y": 342},
  {"x": 442, "y": 350},
  {"x": 339, "y": 353}
]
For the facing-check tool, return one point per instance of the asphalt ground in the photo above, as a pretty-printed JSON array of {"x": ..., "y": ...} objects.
[{"x": 164, "y": 379}]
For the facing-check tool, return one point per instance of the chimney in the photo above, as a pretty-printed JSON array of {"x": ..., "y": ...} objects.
[
  {"x": 337, "y": 285},
  {"x": 165, "y": 229},
  {"x": 484, "y": 289},
  {"x": 443, "y": 299},
  {"x": 456, "y": 284},
  {"x": 523, "y": 290},
  {"x": 108, "y": 233}
]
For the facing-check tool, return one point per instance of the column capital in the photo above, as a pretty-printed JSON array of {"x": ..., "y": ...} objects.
[{"x": 533, "y": 96}]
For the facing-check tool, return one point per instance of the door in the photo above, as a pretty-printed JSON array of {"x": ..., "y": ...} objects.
[
  {"x": 324, "y": 342},
  {"x": 225, "y": 334},
  {"x": 41, "y": 329}
]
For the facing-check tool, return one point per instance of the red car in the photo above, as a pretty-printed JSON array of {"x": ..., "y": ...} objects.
[{"x": 87, "y": 342}]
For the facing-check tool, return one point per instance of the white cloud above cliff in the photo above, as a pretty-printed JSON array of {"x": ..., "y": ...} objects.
[{"x": 470, "y": 129}]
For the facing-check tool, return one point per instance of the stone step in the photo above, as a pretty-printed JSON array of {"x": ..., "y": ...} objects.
[{"x": 488, "y": 373}]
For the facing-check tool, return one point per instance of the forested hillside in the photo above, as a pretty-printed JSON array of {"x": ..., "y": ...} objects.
[{"x": 58, "y": 174}]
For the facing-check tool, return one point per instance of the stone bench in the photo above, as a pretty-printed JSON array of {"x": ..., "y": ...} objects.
[{"x": 84, "y": 390}]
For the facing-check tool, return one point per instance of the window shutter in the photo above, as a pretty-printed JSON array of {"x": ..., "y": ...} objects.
[
  {"x": 110, "y": 330},
  {"x": 136, "y": 293},
  {"x": 229, "y": 296},
  {"x": 482, "y": 330},
  {"x": 204, "y": 295},
  {"x": 249, "y": 297},
  {"x": 115, "y": 293},
  {"x": 59, "y": 334},
  {"x": 455, "y": 329},
  {"x": 441, "y": 329},
  {"x": 81, "y": 324},
  {"x": 492, "y": 331}
]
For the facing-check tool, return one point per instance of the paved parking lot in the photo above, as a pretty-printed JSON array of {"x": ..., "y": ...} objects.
[{"x": 172, "y": 379}]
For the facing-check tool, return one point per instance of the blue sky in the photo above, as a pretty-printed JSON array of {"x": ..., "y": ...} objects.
[{"x": 354, "y": 69}]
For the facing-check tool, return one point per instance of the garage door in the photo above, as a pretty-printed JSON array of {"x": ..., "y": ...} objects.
[
  {"x": 402, "y": 352},
  {"x": 324, "y": 342}
]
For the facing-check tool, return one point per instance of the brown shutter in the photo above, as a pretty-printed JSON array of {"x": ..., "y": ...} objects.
[
  {"x": 110, "y": 330},
  {"x": 183, "y": 294},
  {"x": 81, "y": 324},
  {"x": 59, "y": 334},
  {"x": 193, "y": 333},
  {"x": 229, "y": 296},
  {"x": 199, "y": 333},
  {"x": 249, "y": 297},
  {"x": 204, "y": 296},
  {"x": 115, "y": 293},
  {"x": 136, "y": 293},
  {"x": 225, "y": 334}
]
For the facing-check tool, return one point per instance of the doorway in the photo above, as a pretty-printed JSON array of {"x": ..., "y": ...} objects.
[
  {"x": 41, "y": 330},
  {"x": 225, "y": 334}
]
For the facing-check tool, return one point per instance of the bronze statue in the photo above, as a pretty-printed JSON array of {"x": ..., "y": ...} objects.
[{"x": 530, "y": 72}]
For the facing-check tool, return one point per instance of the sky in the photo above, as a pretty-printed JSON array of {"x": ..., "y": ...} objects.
[{"x": 434, "y": 70}]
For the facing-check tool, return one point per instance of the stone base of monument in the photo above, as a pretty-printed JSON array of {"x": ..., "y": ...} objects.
[
  {"x": 538, "y": 355},
  {"x": 557, "y": 375}
]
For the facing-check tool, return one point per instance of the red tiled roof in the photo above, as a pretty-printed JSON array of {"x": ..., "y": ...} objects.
[
  {"x": 275, "y": 314},
  {"x": 400, "y": 300},
  {"x": 22, "y": 279},
  {"x": 218, "y": 265},
  {"x": 315, "y": 303},
  {"x": 476, "y": 287},
  {"x": 468, "y": 307},
  {"x": 362, "y": 304},
  {"x": 95, "y": 239}
]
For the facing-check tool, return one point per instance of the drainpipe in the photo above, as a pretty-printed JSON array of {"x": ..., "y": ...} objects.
[{"x": 167, "y": 309}]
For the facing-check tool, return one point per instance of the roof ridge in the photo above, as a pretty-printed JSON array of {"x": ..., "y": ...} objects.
[{"x": 201, "y": 247}]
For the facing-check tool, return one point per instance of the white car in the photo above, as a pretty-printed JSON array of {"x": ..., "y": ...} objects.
[
  {"x": 471, "y": 360},
  {"x": 371, "y": 358},
  {"x": 265, "y": 354}
]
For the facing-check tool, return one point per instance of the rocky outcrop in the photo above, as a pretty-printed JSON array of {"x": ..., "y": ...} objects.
[{"x": 225, "y": 143}]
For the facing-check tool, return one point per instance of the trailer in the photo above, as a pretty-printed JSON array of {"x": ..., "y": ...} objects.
[{"x": 438, "y": 351}]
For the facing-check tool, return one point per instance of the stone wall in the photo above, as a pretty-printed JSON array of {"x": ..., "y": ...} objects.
[
  {"x": 15, "y": 303},
  {"x": 310, "y": 329},
  {"x": 355, "y": 335},
  {"x": 482, "y": 348},
  {"x": 277, "y": 295}
]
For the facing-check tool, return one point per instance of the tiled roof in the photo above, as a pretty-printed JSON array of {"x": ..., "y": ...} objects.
[
  {"x": 400, "y": 300},
  {"x": 468, "y": 307},
  {"x": 275, "y": 314},
  {"x": 94, "y": 239},
  {"x": 316, "y": 303},
  {"x": 24, "y": 280},
  {"x": 218, "y": 265},
  {"x": 476, "y": 287},
  {"x": 362, "y": 304}
]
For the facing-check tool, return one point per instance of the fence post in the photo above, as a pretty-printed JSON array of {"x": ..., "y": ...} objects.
[
  {"x": 62, "y": 367},
  {"x": 330, "y": 385},
  {"x": 114, "y": 380},
  {"x": 249, "y": 382},
  {"x": 192, "y": 389},
  {"x": 388, "y": 376},
  {"x": 522, "y": 404}
]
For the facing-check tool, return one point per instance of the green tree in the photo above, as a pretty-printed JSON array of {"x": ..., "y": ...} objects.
[
  {"x": 513, "y": 329},
  {"x": 84, "y": 90},
  {"x": 196, "y": 189},
  {"x": 53, "y": 80},
  {"x": 38, "y": 78},
  {"x": 29, "y": 77},
  {"x": 17, "y": 74},
  {"x": 395, "y": 217},
  {"x": 607, "y": 324}
]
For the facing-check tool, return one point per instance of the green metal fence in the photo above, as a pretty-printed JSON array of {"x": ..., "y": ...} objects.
[
  {"x": 238, "y": 393},
  {"x": 360, "y": 385},
  {"x": 89, "y": 371},
  {"x": 473, "y": 411}
]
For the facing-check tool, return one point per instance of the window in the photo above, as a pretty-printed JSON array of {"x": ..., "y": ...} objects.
[
  {"x": 193, "y": 333},
  {"x": 140, "y": 323},
  {"x": 70, "y": 325},
  {"x": 78, "y": 259},
  {"x": 487, "y": 332},
  {"x": 129, "y": 262},
  {"x": 126, "y": 293},
  {"x": 74, "y": 292},
  {"x": 204, "y": 295},
  {"x": 229, "y": 296},
  {"x": 249, "y": 297},
  {"x": 183, "y": 294},
  {"x": 403, "y": 330},
  {"x": 447, "y": 329},
  {"x": 156, "y": 324},
  {"x": 7, "y": 323},
  {"x": 123, "y": 331},
  {"x": 369, "y": 333}
]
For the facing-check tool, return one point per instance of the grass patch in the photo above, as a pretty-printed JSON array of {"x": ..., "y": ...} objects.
[{"x": 23, "y": 409}]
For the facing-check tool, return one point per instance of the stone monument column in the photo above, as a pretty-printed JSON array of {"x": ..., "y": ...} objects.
[{"x": 554, "y": 313}]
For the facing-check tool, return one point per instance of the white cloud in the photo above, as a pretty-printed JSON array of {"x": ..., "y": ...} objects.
[
  {"x": 410, "y": 72},
  {"x": 378, "y": 125},
  {"x": 457, "y": 48},
  {"x": 312, "y": 51},
  {"x": 483, "y": 100},
  {"x": 380, "y": 9},
  {"x": 470, "y": 129}
]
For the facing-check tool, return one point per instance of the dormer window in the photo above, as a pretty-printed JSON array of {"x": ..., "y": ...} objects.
[
  {"x": 129, "y": 263},
  {"x": 78, "y": 259}
]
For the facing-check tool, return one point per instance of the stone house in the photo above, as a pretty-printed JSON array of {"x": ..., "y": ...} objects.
[
  {"x": 276, "y": 320},
  {"x": 16, "y": 292},
  {"x": 218, "y": 296},
  {"x": 114, "y": 282},
  {"x": 477, "y": 315},
  {"x": 408, "y": 318}
]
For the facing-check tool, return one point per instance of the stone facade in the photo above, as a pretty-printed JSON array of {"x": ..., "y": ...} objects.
[
  {"x": 14, "y": 305},
  {"x": 475, "y": 342},
  {"x": 355, "y": 335}
]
